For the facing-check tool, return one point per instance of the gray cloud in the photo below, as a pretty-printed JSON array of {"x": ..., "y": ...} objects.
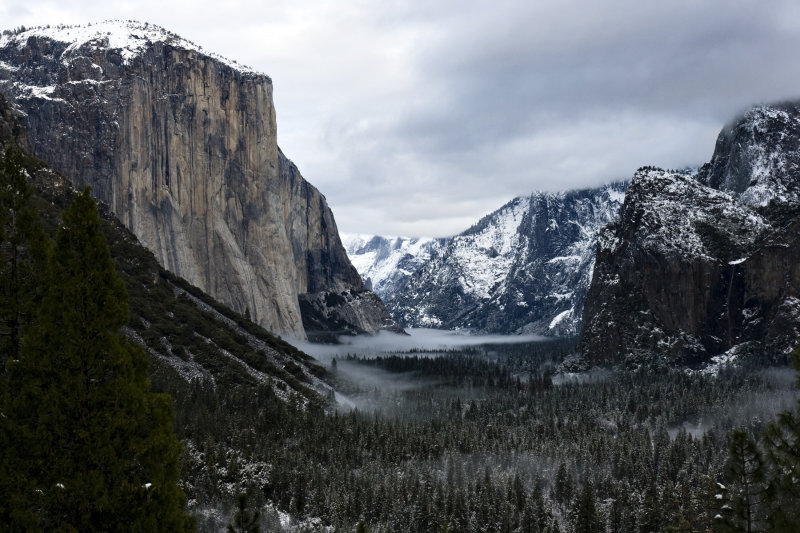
[{"x": 419, "y": 119}]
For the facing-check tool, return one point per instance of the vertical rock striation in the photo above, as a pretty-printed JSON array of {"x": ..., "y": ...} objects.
[{"x": 182, "y": 145}]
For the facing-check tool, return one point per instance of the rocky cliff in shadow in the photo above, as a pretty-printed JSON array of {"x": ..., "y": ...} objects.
[
  {"x": 182, "y": 145},
  {"x": 705, "y": 267}
]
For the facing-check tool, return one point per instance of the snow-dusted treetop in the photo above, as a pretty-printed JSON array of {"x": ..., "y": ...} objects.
[{"x": 130, "y": 37}]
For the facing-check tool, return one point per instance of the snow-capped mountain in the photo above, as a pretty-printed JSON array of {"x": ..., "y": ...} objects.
[
  {"x": 387, "y": 262},
  {"x": 524, "y": 268},
  {"x": 706, "y": 266}
]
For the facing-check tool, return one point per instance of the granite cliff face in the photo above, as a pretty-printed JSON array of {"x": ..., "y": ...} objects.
[
  {"x": 706, "y": 267},
  {"x": 523, "y": 269},
  {"x": 182, "y": 145}
]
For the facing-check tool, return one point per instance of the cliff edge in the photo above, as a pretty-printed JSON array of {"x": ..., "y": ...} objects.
[{"x": 182, "y": 145}]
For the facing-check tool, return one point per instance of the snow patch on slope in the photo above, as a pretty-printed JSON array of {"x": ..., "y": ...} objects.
[
  {"x": 516, "y": 269},
  {"x": 679, "y": 207},
  {"x": 130, "y": 38},
  {"x": 486, "y": 256}
]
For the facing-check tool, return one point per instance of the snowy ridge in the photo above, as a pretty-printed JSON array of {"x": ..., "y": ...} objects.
[
  {"x": 679, "y": 208},
  {"x": 769, "y": 162},
  {"x": 523, "y": 269},
  {"x": 757, "y": 157},
  {"x": 129, "y": 37},
  {"x": 487, "y": 255},
  {"x": 387, "y": 262}
]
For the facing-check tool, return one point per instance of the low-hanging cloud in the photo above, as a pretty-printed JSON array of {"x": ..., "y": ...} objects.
[{"x": 418, "y": 339}]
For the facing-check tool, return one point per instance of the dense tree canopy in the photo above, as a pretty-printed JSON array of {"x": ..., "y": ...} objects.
[{"x": 89, "y": 447}]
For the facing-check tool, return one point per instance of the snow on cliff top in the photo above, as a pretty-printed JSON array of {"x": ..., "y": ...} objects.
[
  {"x": 772, "y": 159},
  {"x": 131, "y": 38},
  {"x": 675, "y": 208}
]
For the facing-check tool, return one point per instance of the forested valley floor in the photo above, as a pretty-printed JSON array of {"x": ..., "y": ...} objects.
[
  {"x": 488, "y": 438},
  {"x": 483, "y": 439}
]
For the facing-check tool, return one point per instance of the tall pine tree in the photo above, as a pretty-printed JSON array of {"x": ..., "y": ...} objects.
[
  {"x": 91, "y": 449},
  {"x": 745, "y": 472},
  {"x": 23, "y": 255},
  {"x": 24, "y": 250},
  {"x": 244, "y": 520},
  {"x": 586, "y": 519},
  {"x": 782, "y": 444}
]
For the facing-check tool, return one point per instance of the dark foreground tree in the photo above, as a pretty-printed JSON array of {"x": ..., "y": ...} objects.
[
  {"x": 91, "y": 449},
  {"x": 586, "y": 519},
  {"x": 244, "y": 520},
  {"x": 23, "y": 255},
  {"x": 763, "y": 493},
  {"x": 746, "y": 491},
  {"x": 782, "y": 444},
  {"x": 23, "y": 274}
]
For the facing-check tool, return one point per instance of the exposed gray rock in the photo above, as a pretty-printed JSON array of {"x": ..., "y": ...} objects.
[
  {"x": 328, "y": 315},
  {"x": 182, "y": 145},
  {"x": 757, "y": 156}
]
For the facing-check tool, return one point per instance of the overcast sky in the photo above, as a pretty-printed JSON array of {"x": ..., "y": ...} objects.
[{"x": 417, "y": 118}]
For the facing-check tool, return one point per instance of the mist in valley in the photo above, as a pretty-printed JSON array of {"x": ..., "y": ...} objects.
[
  {"x": 481, "y": 371},
  {"x": 418, "y": 339}
]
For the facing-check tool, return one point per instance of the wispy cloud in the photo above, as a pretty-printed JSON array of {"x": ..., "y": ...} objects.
[{"x": 419, "y": 339}]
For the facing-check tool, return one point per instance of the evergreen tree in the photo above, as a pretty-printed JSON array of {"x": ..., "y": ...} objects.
[
  {"x": 24, "y": 248},
  {"x": 782, "y": 444},
  {"x": 243, "y": 520},
  {"x": 564, "y": 486},
  {"x": 23, "y": 255},
  {"x": 91, "y": 449},
  {"x": 650, "y": 510},
  {"x": 745, "y": 472},
  {"x": 586, "y": 519}
]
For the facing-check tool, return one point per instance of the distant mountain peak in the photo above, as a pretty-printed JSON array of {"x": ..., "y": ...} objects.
[
  {"x": 757, "y": 156},
  {"x": 388, "y": 261},
  {"x": 525, "y": 268}
]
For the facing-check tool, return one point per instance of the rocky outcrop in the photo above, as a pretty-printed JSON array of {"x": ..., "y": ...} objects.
[
  {"x": 11, "y": 130},
  {"x": 757, "y": 157},
  {"x": 182, "y": 145},
  {"x": 328, "y": 315},
  {"x": 709, "y": 265},
  {"x": 523, "y": 269}
]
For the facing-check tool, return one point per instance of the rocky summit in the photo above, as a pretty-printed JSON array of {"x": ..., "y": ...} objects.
[
  {"x": 182, "y": 145},
  {"x": 702, "y": 268}
]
